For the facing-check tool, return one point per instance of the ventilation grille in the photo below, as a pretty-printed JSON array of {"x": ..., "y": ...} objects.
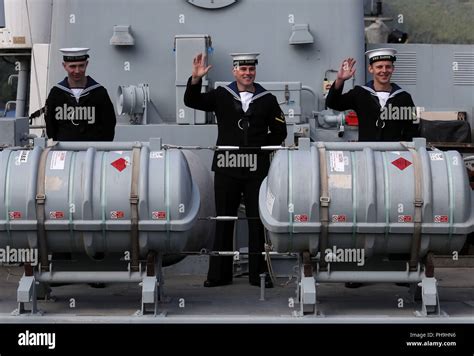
[
  {"x": 405, "y": 69},
  {"x": 463, "y": 68}
]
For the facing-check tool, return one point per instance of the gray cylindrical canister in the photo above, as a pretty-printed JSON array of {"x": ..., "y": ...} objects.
[
  {"x": 371, "y": 199},
  {"x": 87, "y": 205}
]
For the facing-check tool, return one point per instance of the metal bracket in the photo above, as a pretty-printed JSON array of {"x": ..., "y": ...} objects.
[
  {"x": 149, "y": 294},
  {"x": 430, "y": 298},
  {"x": 307, "y": 286},
  {"x": 152, "y": 285},
  {"x": 26, "y": 293},
  {"x": 307, "y": 295}
]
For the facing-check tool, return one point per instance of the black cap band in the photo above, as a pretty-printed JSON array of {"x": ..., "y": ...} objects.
[
  {"x": 75, "y": 58},
  {"x": 246, "y": 62},
  {"x": 385, "y": 57}
]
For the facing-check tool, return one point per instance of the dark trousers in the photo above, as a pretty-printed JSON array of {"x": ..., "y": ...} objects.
[{"x": 228, "y": 191}]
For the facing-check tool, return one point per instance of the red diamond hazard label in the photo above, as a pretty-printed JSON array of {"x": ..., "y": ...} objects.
[
  {"x": 120, "y": 164},
  {"x": 401, "y": 163}
]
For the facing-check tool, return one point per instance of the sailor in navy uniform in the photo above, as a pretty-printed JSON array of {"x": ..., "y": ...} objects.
[
  {"x": 386, "y": 112},
  {"x": 78, "y": 108},
  {"x": 247, "y": 116}
]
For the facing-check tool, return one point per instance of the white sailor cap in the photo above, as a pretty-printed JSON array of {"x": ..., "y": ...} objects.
[
  {"x": 244, "y": 59},
  {"x": 74, "y": 54},
  {"x": 381, "y": 54}
]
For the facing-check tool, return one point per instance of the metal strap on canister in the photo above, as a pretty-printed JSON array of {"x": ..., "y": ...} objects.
[
  {"x": 40, "y": 210},
  {"x": 134, "y": 198},
  {"x": 290, "y": 198},
  {"x": 416, "y": 241},
  {"x": 324, "y": 201}
]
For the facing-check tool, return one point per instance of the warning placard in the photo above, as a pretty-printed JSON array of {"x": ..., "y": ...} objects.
[
  {"x": 56, "y": 214},
  {"x": 405, "y": 219},
  {"x": 14, "y": 215},
  {"x": 117, "y": 214},
  {"x": 441, "y": 218},
  {"x": 58, "y": 158},
  {"x": 158, "y": 215},
  {"x": 301, "y": 218},
  {"x": 336, "y": 161}
]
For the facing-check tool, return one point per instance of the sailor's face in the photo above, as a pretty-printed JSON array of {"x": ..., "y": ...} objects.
[
  {"x": 382, "y": 71},
  {"x": 245, "y": 75},
  {"x": 76, "y": 71}
]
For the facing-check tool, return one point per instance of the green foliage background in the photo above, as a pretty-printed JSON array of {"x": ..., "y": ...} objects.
[{"x": 433, "y": 21}]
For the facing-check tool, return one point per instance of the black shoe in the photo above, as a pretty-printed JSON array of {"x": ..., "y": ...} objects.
[
  {"x": 97, "y": 285},
  {"x": 210, "y": 283},
  {"x": 353, "y": 284},
  {"x": 403, "y": 284},
  {"x": 268, "y": 283}
]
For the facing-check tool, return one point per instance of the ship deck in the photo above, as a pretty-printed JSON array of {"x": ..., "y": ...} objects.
[{"x": 187, "y": 301}]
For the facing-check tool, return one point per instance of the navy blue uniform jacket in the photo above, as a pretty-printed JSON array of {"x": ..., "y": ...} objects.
[
  {"x": 372, "y": 125},
  {"x": 92, "y": 118},
  {"x": 267, "y": 124}
]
